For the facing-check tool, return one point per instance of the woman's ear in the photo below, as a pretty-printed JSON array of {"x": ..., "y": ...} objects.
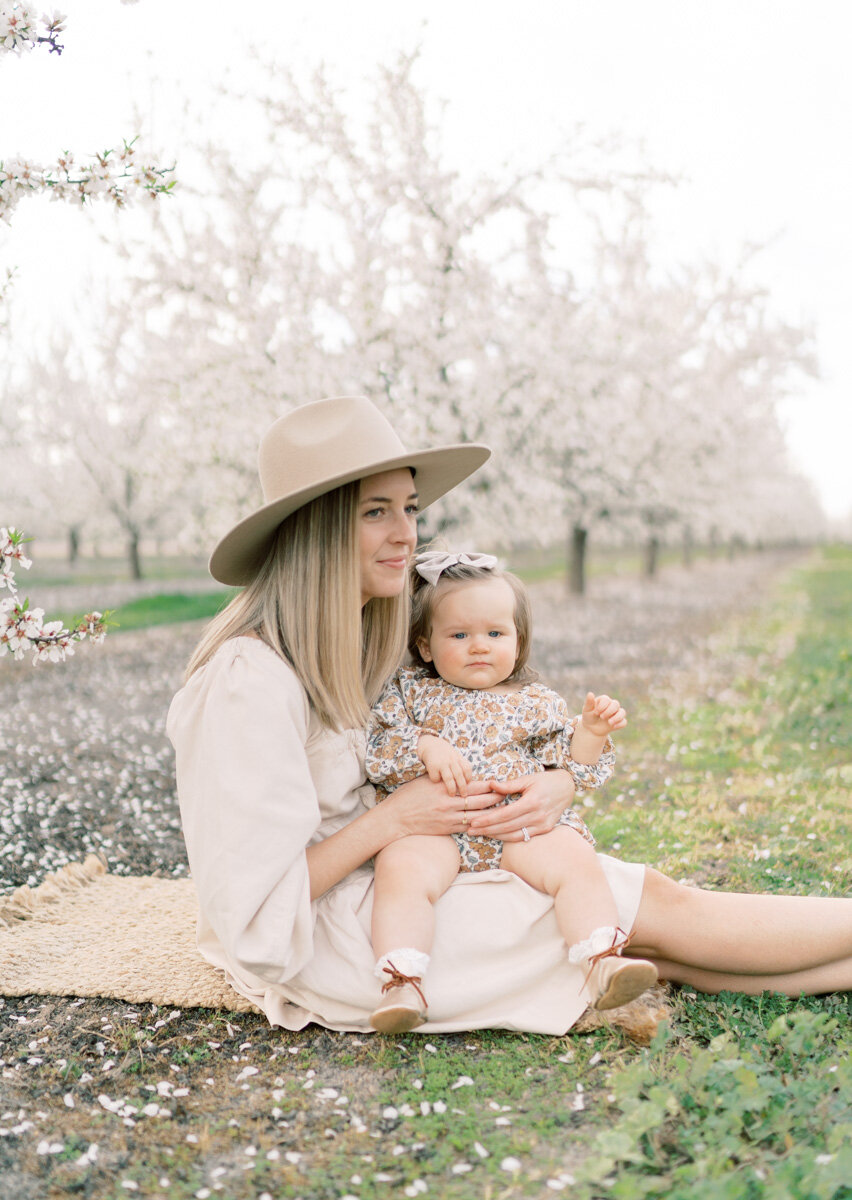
[{"x": 423, "y": 650}]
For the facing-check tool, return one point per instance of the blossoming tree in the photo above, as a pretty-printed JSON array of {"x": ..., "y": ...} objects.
[
  {"x": 348, "y": 255},
  {"x": 654, "y": 419},
  {"x": 336, "y": 255},
  {"x": 116, "y": 175}
]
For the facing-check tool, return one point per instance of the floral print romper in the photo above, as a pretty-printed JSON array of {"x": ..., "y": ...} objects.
[{"x": 501, "y": 736}]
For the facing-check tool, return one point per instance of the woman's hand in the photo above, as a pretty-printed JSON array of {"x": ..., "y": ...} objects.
[
  {"x": 542, "y": 799},
  {"x": 420, "y": 806},
  {"x": 424, "y": 807}
]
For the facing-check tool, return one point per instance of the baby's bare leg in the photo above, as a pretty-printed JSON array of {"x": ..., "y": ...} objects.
[
  {"x": 411, "y": 875},
  {"x": 565, "y": 866}
]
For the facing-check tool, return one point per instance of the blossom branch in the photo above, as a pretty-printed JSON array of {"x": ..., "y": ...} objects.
[
  {"x": 19, "y": 24},
  {"x": 115, "y": 175},
  {"x": 23, "y": 630}
]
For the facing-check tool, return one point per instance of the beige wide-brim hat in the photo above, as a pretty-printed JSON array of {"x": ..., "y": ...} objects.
[{"x": 318, "y": 447}]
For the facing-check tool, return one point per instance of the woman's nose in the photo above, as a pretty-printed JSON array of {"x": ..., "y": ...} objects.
[{"x": 405, "y": 530}]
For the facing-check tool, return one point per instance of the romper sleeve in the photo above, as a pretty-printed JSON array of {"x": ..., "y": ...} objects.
[
  {"x": 392, "y": 738},
  {"x": 589, "y": 776},
  {"x": 248, "y": 805},
  {"x": 554, "y": 750}
]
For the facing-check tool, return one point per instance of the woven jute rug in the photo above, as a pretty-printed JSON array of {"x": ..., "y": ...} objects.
[{"x": 84, "y": 932}]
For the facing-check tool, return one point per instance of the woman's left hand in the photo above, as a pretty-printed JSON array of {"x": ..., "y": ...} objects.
[{"x": 542, "y": 798}]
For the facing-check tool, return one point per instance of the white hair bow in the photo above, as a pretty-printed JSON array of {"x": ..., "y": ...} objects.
[{"x": 431, "y": 563}]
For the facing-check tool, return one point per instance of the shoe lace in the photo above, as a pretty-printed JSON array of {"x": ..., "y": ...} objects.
[
  {"x": 614, "y": 950},
  {"x": 397, "y": 979}
]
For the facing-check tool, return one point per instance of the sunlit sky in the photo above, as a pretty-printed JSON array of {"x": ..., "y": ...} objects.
[{"x": 750, "y": 101}]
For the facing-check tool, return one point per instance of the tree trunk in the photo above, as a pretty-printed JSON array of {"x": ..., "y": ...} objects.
[
  {"x": 652, "y": 555},
  {"x": 577, "y": 560},
  {"x": 688, "y": 547},
  {"x": 73, "y": 545},
  {"x": 133, "y": 556}
]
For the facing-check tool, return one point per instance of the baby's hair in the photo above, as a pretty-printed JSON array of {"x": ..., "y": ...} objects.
[{"x": 424, "y": 595}]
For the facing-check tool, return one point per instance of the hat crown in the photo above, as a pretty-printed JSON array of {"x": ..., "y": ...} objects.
[{"x": 321, "y": 440}]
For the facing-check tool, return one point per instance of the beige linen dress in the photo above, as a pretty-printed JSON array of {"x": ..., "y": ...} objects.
[{"x": 259, "y": 779}]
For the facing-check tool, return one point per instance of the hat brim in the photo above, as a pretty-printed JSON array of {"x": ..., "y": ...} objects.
[{"x": 241, "y": 552}]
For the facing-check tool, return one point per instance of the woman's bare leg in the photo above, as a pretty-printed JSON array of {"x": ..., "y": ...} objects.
[
  {"x": 831, "y": 977},
  {"x": 745, "y": 942},
  {"x": 411, "y": 875}
]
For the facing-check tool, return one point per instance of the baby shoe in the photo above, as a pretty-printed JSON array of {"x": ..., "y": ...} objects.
[
  {"x": 610, "y": 979},
  {"x": 403, "y": 1006},
  {"x": 613, "y": 980}
]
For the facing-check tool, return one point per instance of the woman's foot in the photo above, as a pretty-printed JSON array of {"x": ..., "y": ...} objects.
[
  {"x": 614, "y": 981},
  {"x": 402, "y": 1008}
]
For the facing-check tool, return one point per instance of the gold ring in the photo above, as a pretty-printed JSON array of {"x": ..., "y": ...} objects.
[
  {"x": 464, "y": 821},
  {"x": 465, "y": 803}
]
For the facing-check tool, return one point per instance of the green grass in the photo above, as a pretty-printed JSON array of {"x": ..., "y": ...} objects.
[
  {"x": 749, "y": 788},
  {"x": 167, "y": 608}
]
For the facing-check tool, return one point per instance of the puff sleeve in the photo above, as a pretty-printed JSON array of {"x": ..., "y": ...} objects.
[
  {"x": 248, "y": 806},
  {"x": 392, "y": 738},
  {"x": 553, "y": 749},
  {"x": 589, "y": 776}
]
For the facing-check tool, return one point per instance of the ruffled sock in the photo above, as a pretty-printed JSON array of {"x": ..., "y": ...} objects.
[
  {"x": 605, "y": 937},
  {"x": 403, "y": 1006},
  {"x": 406, "y": 960},
  {"x": 610, "y": 980}
]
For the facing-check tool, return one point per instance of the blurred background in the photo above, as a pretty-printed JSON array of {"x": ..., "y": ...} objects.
[{"x": 610, "y": 240}]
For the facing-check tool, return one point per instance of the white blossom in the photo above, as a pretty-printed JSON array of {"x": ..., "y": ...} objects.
[
  {"x": 19, "y": 27},
  {"x": 115, "y": 174},
  {"x": 23, "y": 629}
]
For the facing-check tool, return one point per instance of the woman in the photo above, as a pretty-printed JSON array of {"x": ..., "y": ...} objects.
[{"x": 280, "y": 826}]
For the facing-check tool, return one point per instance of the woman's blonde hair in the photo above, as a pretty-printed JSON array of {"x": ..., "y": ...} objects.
[
  {"x": 305, "y": 603},
  {"x": 425, "y": 594}
]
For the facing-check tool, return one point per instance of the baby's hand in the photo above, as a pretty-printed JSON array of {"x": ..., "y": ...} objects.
[
  {"x": 602, "y": 715},
  {"x": 443, "y": 762}
]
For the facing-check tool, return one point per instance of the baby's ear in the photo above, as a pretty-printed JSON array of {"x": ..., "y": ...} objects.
[{"x": 423, "y": 648}]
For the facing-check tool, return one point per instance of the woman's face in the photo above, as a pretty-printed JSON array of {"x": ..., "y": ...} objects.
[{"x": 387, "y": 522}]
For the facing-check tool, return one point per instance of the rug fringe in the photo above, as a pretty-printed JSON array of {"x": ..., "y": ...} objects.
[{"x": 26, "y": 902}]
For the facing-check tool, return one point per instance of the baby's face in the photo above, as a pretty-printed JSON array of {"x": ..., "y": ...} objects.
[{"x": 474, "y": 642}]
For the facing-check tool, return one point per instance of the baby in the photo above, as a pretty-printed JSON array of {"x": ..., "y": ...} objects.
[{"x": 470, "y": 708}]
